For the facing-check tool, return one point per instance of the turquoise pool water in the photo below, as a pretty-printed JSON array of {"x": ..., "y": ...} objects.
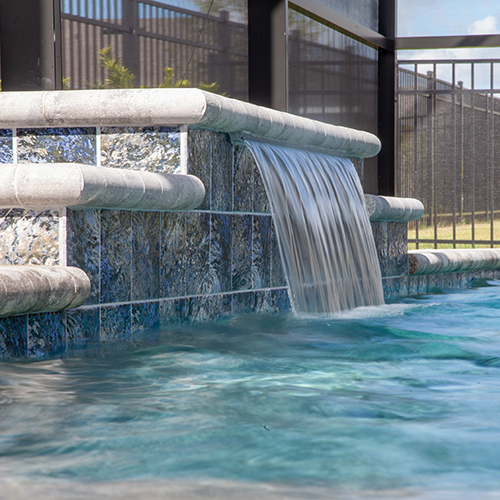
[{"x": 382, "y": 402}]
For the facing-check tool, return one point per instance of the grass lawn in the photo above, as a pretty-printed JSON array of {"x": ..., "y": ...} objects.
[{"x": 482, "y": 231}]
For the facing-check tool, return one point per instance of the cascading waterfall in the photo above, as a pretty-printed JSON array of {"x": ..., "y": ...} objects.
[{"x": 325, "y": 239}]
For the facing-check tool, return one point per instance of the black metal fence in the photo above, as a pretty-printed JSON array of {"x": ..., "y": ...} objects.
[
  {"x": 332, "y": 77},
  {"x": 148, "y": 37},
  {"x": 447, "y": 156}
]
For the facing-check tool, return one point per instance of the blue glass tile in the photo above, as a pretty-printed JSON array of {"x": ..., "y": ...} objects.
[
  {"x": 83, "y": 326},
  {"x": 145, "y": 255},
  {"x": 13, "y": 337},
  {"x": 172, "y": 255},
  {"x": 116, "y": 256},
  {"x": 153, "y": 149},
  {"x": 198, "y": 279},
  {"x": 199, "y": 160},
  {"x": 263, "y": 301},
  {"x": 198, "y": 309},
  {"x": 116, "y": 323},
  {"x": 261, "y": 251},
  {"x": 29, "y": 237},
  {"x": 173, "y": 311},
  {"x": 243, "y": 170},
  {"x": 208, "y": 308},
  {"x": 46, "y": 334},
  {"x": 222, "y": 172},
  {"x": 280, "y": 300},
  {"x": 145, "y": 316},
  {"x": 83, "y": 240},
  {"x": 278, "y": 278},
  {"x": 6, "y": 151},
  {"x": 243, "y": 303},
  {"x": 220, "y": 252},
  {"x": 57, "y": 145},
  {"x": 260, "y": 199},
  {"x": 242, "y": 252}
]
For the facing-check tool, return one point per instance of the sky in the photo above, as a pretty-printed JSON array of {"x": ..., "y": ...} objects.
[{"x": 449, "y": 17}]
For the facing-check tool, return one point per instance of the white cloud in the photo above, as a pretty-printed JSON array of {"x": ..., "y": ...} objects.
[{"x": 485, "y": 26}]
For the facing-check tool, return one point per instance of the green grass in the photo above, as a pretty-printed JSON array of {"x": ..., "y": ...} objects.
[{"x": 482, "y": 231}]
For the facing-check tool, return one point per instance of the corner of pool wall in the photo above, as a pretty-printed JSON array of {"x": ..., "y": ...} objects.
[{"x": 152, "y": 264}]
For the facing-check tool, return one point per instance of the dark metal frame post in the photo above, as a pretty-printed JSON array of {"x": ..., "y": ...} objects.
[
  {"x": 31, "y": 49},
  {"x": 387, "y": 100},
  {"x": 268, "y": 53},
  {"x": 130, "y": 40}
]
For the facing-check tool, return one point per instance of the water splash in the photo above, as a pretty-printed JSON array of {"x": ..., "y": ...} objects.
[{"x": 325, "y": 239}]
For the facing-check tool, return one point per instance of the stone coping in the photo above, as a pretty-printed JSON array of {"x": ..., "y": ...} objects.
[
  {"x": 34, "y": 289},
  {"x": 169, "y": 107},
  {"x": 424, "y": 262},
  {"x": 42, "y": 185},
  {"x": 391, "y": 209}
]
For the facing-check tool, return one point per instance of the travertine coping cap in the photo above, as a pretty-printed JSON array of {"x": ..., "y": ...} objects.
[
  {"x": 33, "y": 289},
  {"x": 452, "y": 261},
  {"x": 52, "y": 185},
  {"x": 169, "y": 107},
  {"x": 391, "y": 209}
]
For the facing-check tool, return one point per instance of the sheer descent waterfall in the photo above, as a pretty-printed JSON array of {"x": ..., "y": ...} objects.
[{"x": 324, "y": 234}]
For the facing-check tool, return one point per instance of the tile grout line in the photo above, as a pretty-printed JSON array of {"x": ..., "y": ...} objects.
[{"x": 15, "y": 150}]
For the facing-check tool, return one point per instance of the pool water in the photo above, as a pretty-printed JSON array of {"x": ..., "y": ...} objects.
[{"x": 396, "y": 401}]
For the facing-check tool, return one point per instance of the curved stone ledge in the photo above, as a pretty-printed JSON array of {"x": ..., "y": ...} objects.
[
  {"x": 42, "y": 185},
  {"x": 34, "y": 289},
  {"x": 391, "y": 209},
  {"x": 148, "y": 107},
  {"x": 422, "y": 262}
]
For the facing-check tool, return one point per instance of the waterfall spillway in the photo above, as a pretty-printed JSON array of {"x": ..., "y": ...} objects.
[{"x": 324, "y": 234}]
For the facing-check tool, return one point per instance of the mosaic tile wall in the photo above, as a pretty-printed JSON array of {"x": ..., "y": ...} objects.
[{"x": 146, "y": 269}]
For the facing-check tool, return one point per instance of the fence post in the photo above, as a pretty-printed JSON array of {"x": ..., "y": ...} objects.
[
  {"x": 386, "y": 105},
  {"x": 130, "y": 40},
  {"x": 268, "y": 53},
  {"x": 30, "y": 44}
]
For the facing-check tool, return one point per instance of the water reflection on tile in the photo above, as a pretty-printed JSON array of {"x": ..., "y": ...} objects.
[
  {"x": 145, "y": 255},
  {"x": 261, "y": 251},
  {"x": 145, "y": 316},
  {"x": 116, "y": 256},
  {"x": 198, "y": 277},
  {"x": 242, "y": 252},
  {"x": 29, "y": 237},
  {"x": 83, "y": 326},
  {"x": 222, "y": 172},
  {"x": 116, "y": 323},
  {"x": 172, "y": 255},
  {"x": 243, "y": 179},
  {"x": 6, "y": 151},
  {"x": 83, "y": 246},
  {"x": 154, "y": 149},
  {"x": 13, "y": 337},
  {"x": 46, "y": 334},
  {"x": 199, "y": 160},
  {"x": 220, "y": 252},
  {"x": 51, "y": 145}
]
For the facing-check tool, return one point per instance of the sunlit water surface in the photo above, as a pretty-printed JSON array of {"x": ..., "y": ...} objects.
[{"x": 396, "y": 400}]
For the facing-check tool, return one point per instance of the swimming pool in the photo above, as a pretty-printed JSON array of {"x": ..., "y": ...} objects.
[{"x": 396, "y": 401}]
